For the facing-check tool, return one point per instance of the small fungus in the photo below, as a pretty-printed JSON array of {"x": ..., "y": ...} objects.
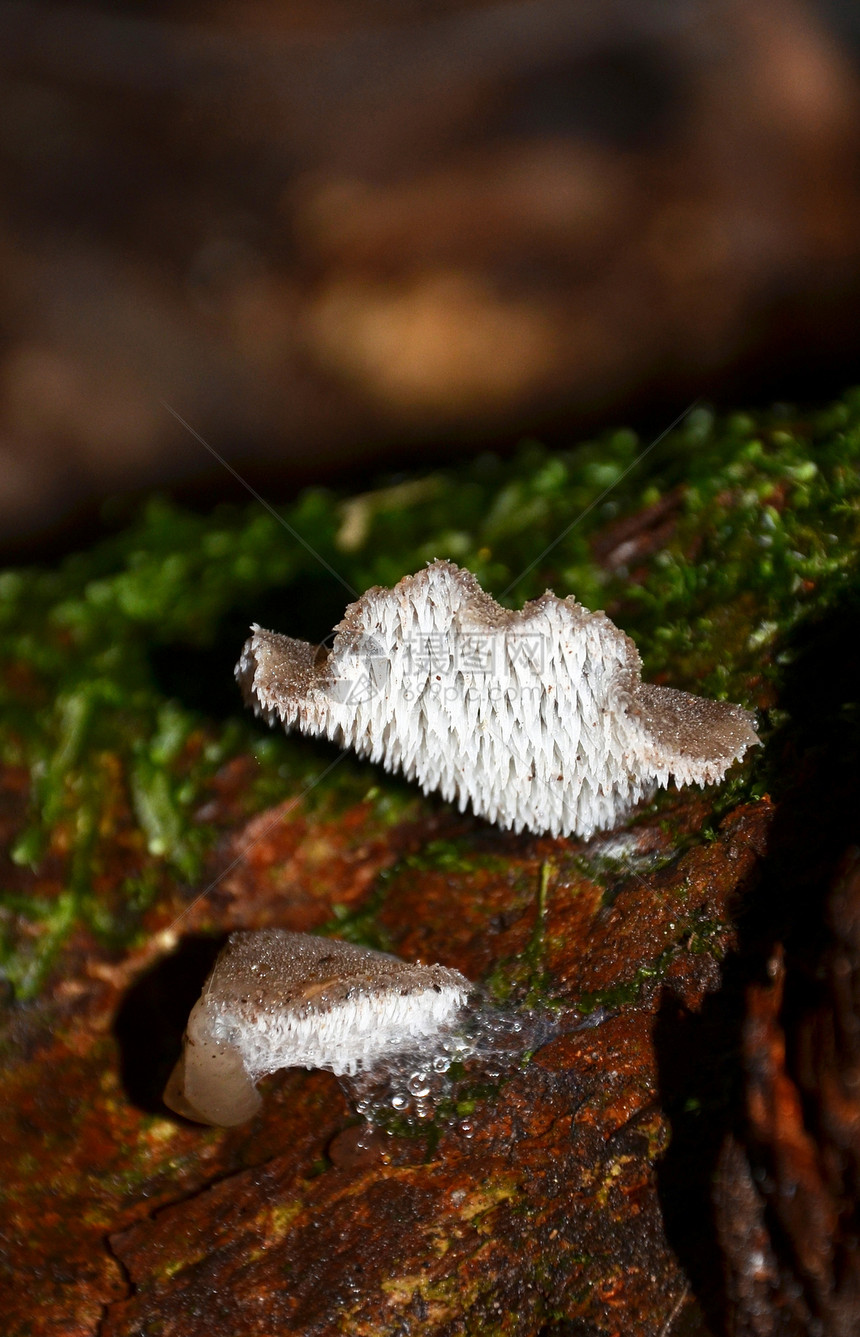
[
  {"x": 280, "y": 1000},
  {"x": 538, "y": 718}
]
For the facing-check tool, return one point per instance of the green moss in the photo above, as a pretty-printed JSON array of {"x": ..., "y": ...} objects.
[
  {"x": 362, "y": 926},
  {"x": 454, "y": 856},
  {"x": 704, "y": 937},
  {"x": 525, "y": 978},
  {"x": 767, "y": 518}
]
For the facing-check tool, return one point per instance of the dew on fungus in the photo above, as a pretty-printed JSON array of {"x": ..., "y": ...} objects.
[
  {"x": 418, "y": 1084},
  {"x": 481, "y": 1047}
]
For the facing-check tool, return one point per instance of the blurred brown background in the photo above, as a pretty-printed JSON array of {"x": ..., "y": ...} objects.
[{"x": 338, "y": 236}]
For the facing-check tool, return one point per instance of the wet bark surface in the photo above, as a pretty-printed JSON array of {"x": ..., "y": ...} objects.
[{"x": 540, "y": 1202}]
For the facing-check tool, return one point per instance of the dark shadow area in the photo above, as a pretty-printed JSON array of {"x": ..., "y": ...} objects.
[
  {"x": 151, "y": 1021},
  {"x": 700, "y": 1088},
  {"x": 631, "y": 97},
  {"x": 202, "y": 677},
  {"x": 811, "y": 763}
]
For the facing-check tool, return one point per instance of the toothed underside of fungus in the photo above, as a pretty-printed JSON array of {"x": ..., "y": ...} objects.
[
  {"x": 537, "y": 718},
  {"x": 276, "y": 999}
]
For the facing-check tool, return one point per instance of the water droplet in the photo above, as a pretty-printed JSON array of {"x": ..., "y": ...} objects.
[
  {"x": 441, "y": 1063},
  {"x": 467, "y": 1128},
  {"x": 418, "y": 1084},
  {"x": 399, "y": 1101}
]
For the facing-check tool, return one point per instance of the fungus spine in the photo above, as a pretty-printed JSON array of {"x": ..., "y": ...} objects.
[
  {"x": 538, "y": 718},
  {"x": 276, "y": 999}
]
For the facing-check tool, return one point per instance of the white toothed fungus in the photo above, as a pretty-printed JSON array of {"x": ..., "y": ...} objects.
[
  {"x": 280, "y": 1000},
  {"x": 537, "y": 718}
]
